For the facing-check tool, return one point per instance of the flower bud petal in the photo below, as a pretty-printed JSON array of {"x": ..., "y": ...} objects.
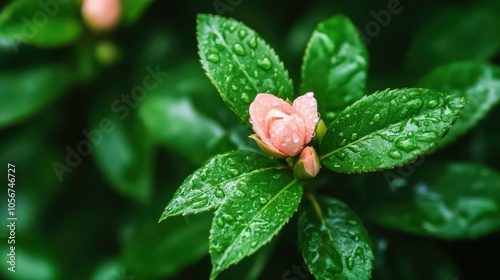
[
  {"x": 308, "y": 165},
  {"x": 101, "y": 15},
  {"x": 283, "y": 128},
  {"x": 270, "y": 152}
]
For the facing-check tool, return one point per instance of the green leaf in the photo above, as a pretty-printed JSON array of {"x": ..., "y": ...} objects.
[
  {"x": 181, "y": 114},
  {"x": 450, "y": 201},
  {"x": 177, "y": 124},
  {"x": 208, "y": 186},
  {"x": 133, "y": 9},
  {"x": 160, "y": 250},
  {"x": 41, "y": 23},
  {"x": 333, "y": 241},
  {"x": 27, "y": 92},
  {"x": 478, "y": 82},
  {"x": 387, "y": 129},
  {"x": 250, "y": 268},
  {"x": 335, "y": 66},
  {"x": 455, "y": 35},
  {"x": 122, "y": 149},
  {"x": 254, "y": 212},
  {"x": 240, "y": 63}
]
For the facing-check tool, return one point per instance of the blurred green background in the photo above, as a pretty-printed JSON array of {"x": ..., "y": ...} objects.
[{"x": 90, "y": 211}]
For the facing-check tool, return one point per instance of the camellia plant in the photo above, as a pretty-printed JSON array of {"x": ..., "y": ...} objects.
[{"x": 330, "y": 123}]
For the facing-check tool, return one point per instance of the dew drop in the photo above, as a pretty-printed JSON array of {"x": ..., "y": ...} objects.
[
  {"x": 220, "y": 222},
  {"x": 200, "y": 203},
  {"x": 263, "y": 200},
  {"x": 238, "y": 49},
  {"x": 295, "y": 137},
  {"x": 349, "y": 261},
  {"x": 234, "y": 87},
  {"x": 213, "y": 57},
  {"x": 427, "y": 137},
  {"x": 265, "y": 63},
  {"x": 203, "y": 176},
  {"x": 344, "y": 142},
  {"x": 376, "y": 118},
  {"x": 252, "y": 42},
  {"x": 219, "y": 193},
  {"x": 416, "y": 104},
  {"x": 394, "y": 107},
  {"x": 239, "y": 193},
  {"x": 433, "y": 103},
  {"x": 255, "y": 74},
  {"x": 243, "y": 81},
  {"x": 394, "y": 154},
  {"x": 242, "y": 33},
  {"x": 235, "y": 172},
  {"x": 405, "y": 144},
  {"x": 245, "y": 97},
  {"x": 228, "y": 218},
  {"x": 253, "y": 244},
  {"x": 354, "y": 136}
]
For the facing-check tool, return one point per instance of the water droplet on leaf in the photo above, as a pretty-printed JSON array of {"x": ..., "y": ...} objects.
[
  {"x": 245, "y": 97},
  {"x": 200, "y": 203},
  {"x": 405, "y": 144},
  {"x": 238, "y": 49},
  {"x": 242, "y": 33},
  {"x": 213, "y": 57},
  {"x": 376, "y": 118},
  {"x": 433, "y": 103},
  {"x": 239, "y": 193},
  {"x": 265, "y": 63},
  {"x": 252, "y": 42},
  {"x": 427, "y": 137},
  {"x": 395, "y": 154}
]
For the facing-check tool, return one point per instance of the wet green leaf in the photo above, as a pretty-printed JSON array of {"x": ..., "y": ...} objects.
[
  {"x": 260, "y": 204},
  {"x": 387, "y": 129},
  {"x": 179, "y": 113},
  {"x": 450, "y": 201},
  {"x": 240, "y": 63},
  {"x": 333, "y": 241},
  {"x": 478, "y": 82},
  {"x": 24, "y": 93},
  {"x": 120, "y": 145},
  {"x": 335, "y": 66},
  {"x": 208, "y": 186}
]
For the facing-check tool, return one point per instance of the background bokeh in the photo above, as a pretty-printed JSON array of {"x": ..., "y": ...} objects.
[{"x": 91, "y": 211}]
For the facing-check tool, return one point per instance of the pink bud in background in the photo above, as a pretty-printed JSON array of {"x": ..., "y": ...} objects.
[
  {"x": 308, "y": 165},
  {"x": 101, "y": 15},
  {"x": 283, "y": 129}
]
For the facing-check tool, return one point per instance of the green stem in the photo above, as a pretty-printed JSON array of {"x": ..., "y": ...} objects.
[{"x": 315, "y": 204}]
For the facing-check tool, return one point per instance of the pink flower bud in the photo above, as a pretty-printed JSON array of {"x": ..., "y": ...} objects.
[
  {"x": 308, "y": 165},
  {"x": 283, "y": 129},
  {"x": 101, "y": 15}
]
